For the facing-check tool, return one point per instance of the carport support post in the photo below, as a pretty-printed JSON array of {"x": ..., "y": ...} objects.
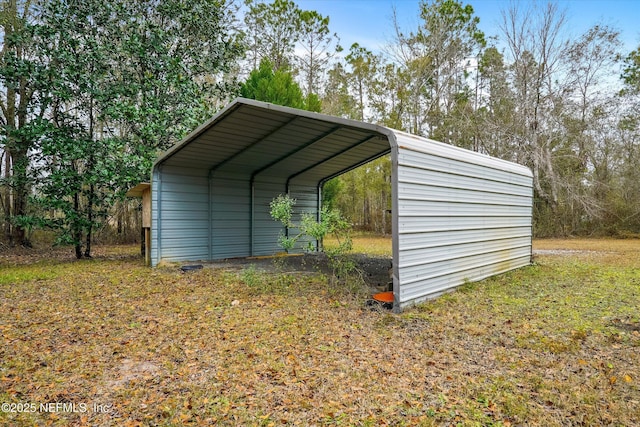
[
  {"x": 319, "y": 243},
  {"x": 252, "y": 222},
  {"x": 158, "y": 175},
  {"x": 210, "y": 214},
  {"x": 286, "y": 227},
  {"x": 395, "y": 228},
  {"x": 147, "y": 246}
]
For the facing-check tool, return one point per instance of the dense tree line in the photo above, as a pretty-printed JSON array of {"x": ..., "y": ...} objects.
[
  {"x": 530, "y": 95},
  {"x": 92, "y": 91}
]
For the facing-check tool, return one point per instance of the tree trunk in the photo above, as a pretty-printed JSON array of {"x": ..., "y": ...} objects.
[
  {"x": 6, "y": 205},
  {"x": 20, "y": 189},
  {"x": 119, "y": 215},
  {"x": 77, "y": 231},
  {"x": 87, "y": 249},
  {"x": 16, "y": 117}
]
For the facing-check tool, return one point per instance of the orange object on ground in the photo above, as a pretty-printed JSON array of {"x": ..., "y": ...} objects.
[{"x": 384, "y": 296}]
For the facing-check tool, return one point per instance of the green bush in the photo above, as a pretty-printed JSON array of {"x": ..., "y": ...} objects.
[{"x": 331, "y": 223}]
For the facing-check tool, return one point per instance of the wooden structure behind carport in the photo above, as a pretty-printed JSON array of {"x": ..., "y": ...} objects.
[
  {"x": 143, "y": 190},
  {"x": 457, "y": 215}
]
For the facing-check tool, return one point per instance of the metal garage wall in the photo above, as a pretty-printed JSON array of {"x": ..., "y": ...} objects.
[
  {"x": 306, "y": 202},
  {"x": 461, "y": 216},
  {"x": 230, "y": 215},
  {"x": 241, "y": 223},
  {"x": 155, "y": 185},
  {"x": 265, "y": 229},
  {"x": 180, "y": 212},
  {"x": 182, "y": 197}
]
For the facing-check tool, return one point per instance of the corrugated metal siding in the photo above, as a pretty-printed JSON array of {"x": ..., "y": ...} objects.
[
  {"x": 180, "y": 209},
  {"x": 230, "y": 215},
  {"x": 266, "y": 230},
  {"x": 155, "y": 188},
  {"x": 237, "y": 220},
  {"x": 461, "y": 216},
  {"x": 306, "y": 202}
]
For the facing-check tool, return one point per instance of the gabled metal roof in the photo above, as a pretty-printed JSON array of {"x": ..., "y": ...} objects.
[{"x": 258, "y": 139}]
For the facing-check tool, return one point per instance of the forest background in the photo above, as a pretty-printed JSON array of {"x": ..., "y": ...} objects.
[{"x": 91, "y": 92}]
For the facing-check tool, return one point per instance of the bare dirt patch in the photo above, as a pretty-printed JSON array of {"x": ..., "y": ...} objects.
[
  {"x": 374, "y": 270},
  {"x": 130, "y": 370}
]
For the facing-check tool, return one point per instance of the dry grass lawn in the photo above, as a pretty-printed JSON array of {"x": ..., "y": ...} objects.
[{"x": 108, "y": 342}]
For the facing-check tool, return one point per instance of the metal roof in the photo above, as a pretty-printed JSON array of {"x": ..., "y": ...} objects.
[{"x": 257, "y": 138}]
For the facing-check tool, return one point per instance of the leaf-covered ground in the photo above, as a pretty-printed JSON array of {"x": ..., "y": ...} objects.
[{"x": 108, "y": 342}]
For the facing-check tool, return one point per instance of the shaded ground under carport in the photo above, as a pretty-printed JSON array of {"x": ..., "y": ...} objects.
[{"x": 375, "y": 271}]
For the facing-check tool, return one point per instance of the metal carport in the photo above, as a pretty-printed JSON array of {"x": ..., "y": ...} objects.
[{"x": 457, "y": 215}]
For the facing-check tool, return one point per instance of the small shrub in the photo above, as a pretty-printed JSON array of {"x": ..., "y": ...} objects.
[
  {"x": 251, "y": 277},
  {"x": 331, "y": 223}
]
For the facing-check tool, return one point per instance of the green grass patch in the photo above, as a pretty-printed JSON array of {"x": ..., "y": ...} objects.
[{"x": 19, "y": 275}]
